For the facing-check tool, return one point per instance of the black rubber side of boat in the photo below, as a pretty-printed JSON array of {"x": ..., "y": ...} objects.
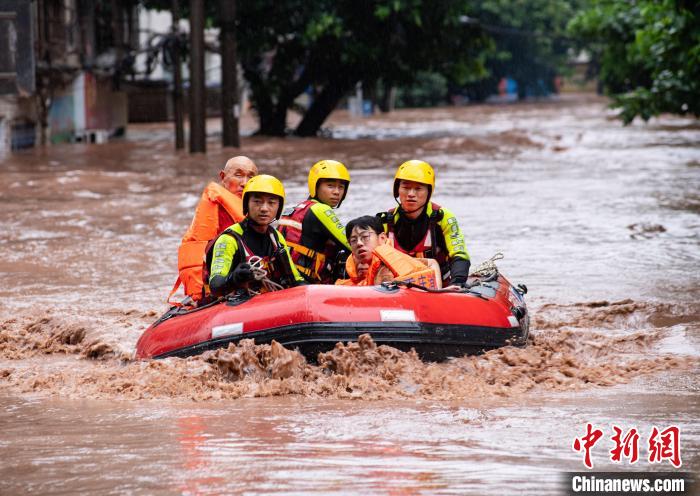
[{"x": 432, "y": 342}]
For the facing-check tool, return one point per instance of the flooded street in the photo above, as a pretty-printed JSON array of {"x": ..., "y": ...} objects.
[{"x": 602, "y": 222}]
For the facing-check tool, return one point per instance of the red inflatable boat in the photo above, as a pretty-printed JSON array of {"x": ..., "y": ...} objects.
[{"x": 314, "y": 318}]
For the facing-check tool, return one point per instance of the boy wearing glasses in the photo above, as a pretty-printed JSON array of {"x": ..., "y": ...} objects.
[{"x": 373, "y": 261}]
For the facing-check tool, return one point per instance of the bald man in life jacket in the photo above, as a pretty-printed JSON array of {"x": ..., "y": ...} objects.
[
  {"x": 219, "y": 207},
  {"x": 374, "y": 260}
]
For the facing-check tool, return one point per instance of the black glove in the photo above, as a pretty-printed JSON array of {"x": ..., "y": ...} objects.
[
  {"x": 459, "y": 271},
  {"x": 338, "y": 265},
  {"x": 243, "y": 273}
]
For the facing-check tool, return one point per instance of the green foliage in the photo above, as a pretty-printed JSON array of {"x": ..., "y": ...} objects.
[
  {"x": 428, "y": 90},
  {"x": 648, "y": 53},
  {"x": 530, "y": 43},
  {"x": 287, "y": 46}
]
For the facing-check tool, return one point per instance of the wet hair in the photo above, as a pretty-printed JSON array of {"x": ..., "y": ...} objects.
[{"x": 365, "y": 222}]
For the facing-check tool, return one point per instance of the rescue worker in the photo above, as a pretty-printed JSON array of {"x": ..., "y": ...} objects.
[
  {"x": 424, "y": 229},
  {"x": 230, "y": 258},
  {"x": 219, "y": 207},
  {"x": 374, "y": 260},
  {"x": 312, "y": 229}
]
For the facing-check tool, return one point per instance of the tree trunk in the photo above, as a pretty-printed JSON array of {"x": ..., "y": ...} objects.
[
  {"x": 118, "y": 39},
  {"x": 322, "y": 107},
  {"x": 178, "y": 111},
  {"x": 286, "y": 100},
  {"x": 198, "y": 126},
  {"x": 272, "y": 117},
  {"x": 272, "y": 124},
  {"x": 268, "y": 120},
  {"x": 388, "y": 99},
  {"x": 42, "y": 83},
  {"x": 230, "y": 107}
]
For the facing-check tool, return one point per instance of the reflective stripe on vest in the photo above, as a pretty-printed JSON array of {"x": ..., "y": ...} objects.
[
  {"x": 307, "y": 261},
  {"x": 248, "y": 255},
  {"x": 268, "y": 262}
]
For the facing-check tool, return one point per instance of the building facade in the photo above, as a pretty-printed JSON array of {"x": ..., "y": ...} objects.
[{"x": 61, "y": 62}]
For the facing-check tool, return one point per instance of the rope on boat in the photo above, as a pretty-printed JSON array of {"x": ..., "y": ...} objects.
[
  {"x": 409, "y": 285},
  {"x": 260, "y": 274},
  {"x": 406, "y": 284},
  {"x": 488, "y": 269}
]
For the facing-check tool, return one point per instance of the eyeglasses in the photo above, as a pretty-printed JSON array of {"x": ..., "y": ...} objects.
[{"x": 364, "y": 237}]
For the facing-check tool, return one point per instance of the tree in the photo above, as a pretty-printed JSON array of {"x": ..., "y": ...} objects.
[
  {"x": 429, "y": 90},
  {"x": 648, "y": 54},
  {"x": 530, "y": 44},
  {"x": 329, "y": 46},
  {"x": 273, "y": 48},
  {"x": 287, "y": 47}
]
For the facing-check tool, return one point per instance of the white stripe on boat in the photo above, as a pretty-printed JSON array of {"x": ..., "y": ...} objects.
[
  {"x": 397, "y": 315},
  {"x": 227, "y": 330}
]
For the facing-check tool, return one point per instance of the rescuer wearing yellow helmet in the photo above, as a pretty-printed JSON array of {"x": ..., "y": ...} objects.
[
  {"x": 422, "y": 228},
  {"x": 312, "y": 229},
  {"x": 229, "y": 258}
]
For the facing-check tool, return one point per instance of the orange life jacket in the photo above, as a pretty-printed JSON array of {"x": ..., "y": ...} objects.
[
  {"x": 429, "y": 246},
  {"x": 403, "y": 267},
  {"x": 204, "y": 227}
]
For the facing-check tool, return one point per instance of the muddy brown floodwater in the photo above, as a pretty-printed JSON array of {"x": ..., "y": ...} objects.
[{"x": 602, "y": 222}]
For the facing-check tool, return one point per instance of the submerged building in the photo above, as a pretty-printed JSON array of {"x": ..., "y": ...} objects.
[
  {"x": 61, "y": 62},
  {"x": 80, "y": 70}
]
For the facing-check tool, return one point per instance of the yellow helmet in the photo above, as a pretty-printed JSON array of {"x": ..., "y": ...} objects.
[
  {"x": 416, "y": 171},
  {"x": 328, "y": 169},
  {"x": 264, "y": 183}
]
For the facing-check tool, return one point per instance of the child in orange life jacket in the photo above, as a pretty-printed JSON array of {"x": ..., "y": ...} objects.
[
  {"x": 219, "y": 207},
  {"x": 312, "y": 229},
  {"x": 424, "y": 229},
  {"x": 374, "y": 261},
  {"x": 229, "y": 258}
]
